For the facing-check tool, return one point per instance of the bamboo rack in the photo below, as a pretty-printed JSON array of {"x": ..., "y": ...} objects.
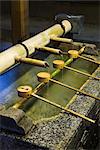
[
  {"x": 62, "y": 108},
  {"x": 31, "y": 61},
  {"x": 23, "y": 100},
  {"x": 20, "y": 103},
  {"x": 26, "y": 91}
]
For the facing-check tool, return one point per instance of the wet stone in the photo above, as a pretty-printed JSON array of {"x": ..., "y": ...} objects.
[
  {"x": 11, "y": 112},
  {"x": 15, "y": 121}
]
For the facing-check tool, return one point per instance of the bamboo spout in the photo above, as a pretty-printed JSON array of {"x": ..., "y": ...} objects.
[
  {"x": 51, "y": 50},
  {"x": 88, "y": 59},
  {"x": 35, "y": 62},
  {"x": 59, "y": 39}
]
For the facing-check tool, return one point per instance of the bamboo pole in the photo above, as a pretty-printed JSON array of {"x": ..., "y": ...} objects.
[
  {"x": 51, "y": 50},
  {"x": 31, "y": 61},
  {"x": 89, "y": 59},
  {"x": 20, "y": 103},
  {"x": 81, "y": 72},
  {"x": 7, "y": 58},
  {"x": 75, "y": 89},
  {"x": 59, "y": 39},
  {"x": 62, "y": 108}
]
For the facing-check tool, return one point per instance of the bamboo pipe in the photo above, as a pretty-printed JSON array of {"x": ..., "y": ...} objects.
[
  {"x": 78, "y": 71},
  {"x": 51, "y": 50},
  {"x": 59, "y": 39},
  {"x": 62, "y": 108},
  {"x": 26, "y": 91},
  {"x": 20, "y": 103},
  {"x": 35, "y": 62},
  {"x": 75, "y": 89},
  {"x": 7, "y": 58}
]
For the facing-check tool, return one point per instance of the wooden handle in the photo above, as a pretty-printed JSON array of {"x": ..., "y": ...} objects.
[
  {"x": 62, "y": 108},
  {"x": 88, "y": 59},
  {"x": 84, "y": 73}
]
